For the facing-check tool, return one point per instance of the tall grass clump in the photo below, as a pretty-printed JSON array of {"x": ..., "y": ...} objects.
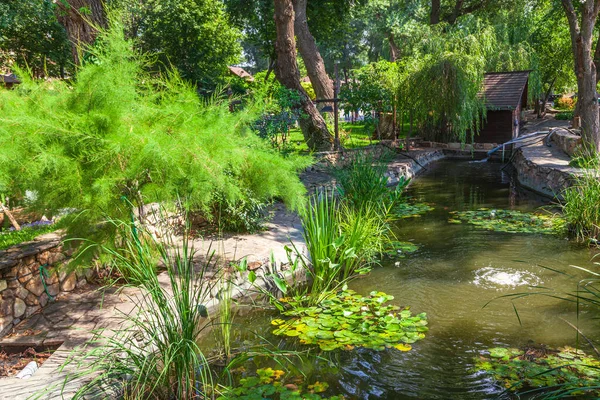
[
  {"x": 116, "y": 131},
  {"x": 346, "y": 234},
  {"x": 363, "y": 183},
  {"x": 155, "y": 354},
  {"x": 581, "y": 203}
]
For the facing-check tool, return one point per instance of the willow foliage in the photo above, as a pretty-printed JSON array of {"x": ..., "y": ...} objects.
[
  {"x": 444, "y": 80},
  {"x": 115, "y": 132}
]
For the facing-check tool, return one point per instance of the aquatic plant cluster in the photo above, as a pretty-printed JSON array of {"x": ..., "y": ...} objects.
[
  {"x": 347, "y": 319},
  {"x": 510, "y": 221},
  {"x": 563, "y": 372},
  {"x": 411, "y": 210},
  {"x": 268, "y": 383}
]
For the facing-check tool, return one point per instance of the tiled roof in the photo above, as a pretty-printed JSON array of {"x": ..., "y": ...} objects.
[
  {"x": 503, "y": 90},
  {"x": 242, "y": 73}
]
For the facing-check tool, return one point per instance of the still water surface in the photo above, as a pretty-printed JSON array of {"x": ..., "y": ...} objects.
[{"x": 455, "y": 272}]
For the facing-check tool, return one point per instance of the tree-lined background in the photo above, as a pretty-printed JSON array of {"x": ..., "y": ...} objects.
[{"x": 418, "y": 60}]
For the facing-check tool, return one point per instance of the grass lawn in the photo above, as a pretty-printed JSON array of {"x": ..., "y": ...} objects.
[{"x": 352, "y": 135}]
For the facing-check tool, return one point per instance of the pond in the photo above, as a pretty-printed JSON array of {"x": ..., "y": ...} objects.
[{"x": 456, "y": 271}]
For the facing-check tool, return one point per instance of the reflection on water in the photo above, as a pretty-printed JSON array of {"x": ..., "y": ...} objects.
[
  {"x": 457, "y": 270},
  {"x": 500, "y": 278}
]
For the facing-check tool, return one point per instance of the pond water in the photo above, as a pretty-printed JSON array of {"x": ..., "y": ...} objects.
[{"x": 455, "y": 272}]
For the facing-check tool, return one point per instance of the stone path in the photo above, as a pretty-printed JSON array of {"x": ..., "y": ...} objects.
[{"x": 74, "y": 316}]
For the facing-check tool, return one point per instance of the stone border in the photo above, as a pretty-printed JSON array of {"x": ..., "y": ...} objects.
[
  {"x": 31, "y": 276},
  {"x": 569, "y": 143}
]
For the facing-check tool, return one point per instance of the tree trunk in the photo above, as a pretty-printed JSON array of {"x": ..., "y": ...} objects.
[
  {"x": 436, "y": 10},
  {"x": 585, "y": 70},
  {"x": 81, "y": 19},
  {"x": 311, "y": 122},
  {"x": 394, "y": 50},
  {"x": 315, "y": 67},
  {"x": 542, "y": 112}
]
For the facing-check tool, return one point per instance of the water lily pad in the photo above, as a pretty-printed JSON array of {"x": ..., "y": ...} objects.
[
  {"x": 350, "y": 320},
  {"x": 510, "y": 221},
  {"x": 540, "y": 367},
  {"x": 408, "y": 210},
  {"x": 268, "y": 383}
]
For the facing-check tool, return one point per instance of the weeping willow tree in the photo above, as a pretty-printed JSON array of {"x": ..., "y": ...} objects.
[
  {"x": 444, "y": 78},
  {"x": 116, "y": 136},
  {"x": 444, "y": 75}
]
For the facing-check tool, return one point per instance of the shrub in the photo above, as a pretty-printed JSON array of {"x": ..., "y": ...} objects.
[
  {"x": 565, "y": 103},
  {"x": 564, "y": 116},
  {"x": 27, "y": 233},
  {"x": 363, "y": 183},
  {"x": 117, "y": 132},
  {"x": 279, "y": 111},
  {"x": 580, "y": 207}
]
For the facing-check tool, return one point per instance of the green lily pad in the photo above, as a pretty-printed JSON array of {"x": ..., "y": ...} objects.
[
  {"x": 539, "y": 367},
  {"x": 408, "y": 210},
  {"x": 350, "y": 320},
  {"x": 268, "y": 383},
  {"x": 510, "y": 221}
]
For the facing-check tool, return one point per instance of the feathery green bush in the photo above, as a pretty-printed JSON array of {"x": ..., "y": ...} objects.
[{"x": 117, "y": 133}]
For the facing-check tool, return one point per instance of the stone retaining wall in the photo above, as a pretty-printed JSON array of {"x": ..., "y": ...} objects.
[
  {"x": 567, "y": 142},
  {"x": 22, "y": 291},
  {"x": 544, "y": 169}
]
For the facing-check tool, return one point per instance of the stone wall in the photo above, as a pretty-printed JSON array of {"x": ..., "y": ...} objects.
[
  {"x": 544, "y": 169},
  {"x": 22, "y": 291},
  {"x": 567, "y": 142}
]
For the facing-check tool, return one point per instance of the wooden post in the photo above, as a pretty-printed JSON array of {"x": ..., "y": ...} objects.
[
  {"x": 12, "y": 219},
  {"x": 336, "y": 89}
]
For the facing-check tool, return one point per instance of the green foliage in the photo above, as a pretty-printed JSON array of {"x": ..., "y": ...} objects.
[
  {"x": 195, "y": 36},
  {"x": 564, "y": 116},
  {"x": 408, "y": 210},
  {"x": 373, "y": 90},
  {"x": 346, "y": 320},
  {"x": 31, "y": 36},
  {"x": 580, "y": 205},
  {"x": 346, "y": 237},
  {"x": 117, "y": 132},
  {"x": 563, "y": 372},
  {"x": 12, "y": 238},
  {"x": 363, "y": 183},
  {"x": 444, "y": 83},
  {"x": 510, "y": 221},
  {"x": 273, "y": 384},
  {"x": 279, "y": 111},
  {"x": 342, "y": 240},
  {"x": 309, "y": 90},
  {"x": 246, "y": 214}
]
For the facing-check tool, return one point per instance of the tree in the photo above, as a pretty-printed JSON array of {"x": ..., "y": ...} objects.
[
  {"x": 195, "y": 36},
  {"x": 582, "y": 22},
  {"x": 81, "y": 19},
  {"x": 315, "y": 67},
  {"x": 31, "y": 37},
  {"x": 311, "y": 122}
]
